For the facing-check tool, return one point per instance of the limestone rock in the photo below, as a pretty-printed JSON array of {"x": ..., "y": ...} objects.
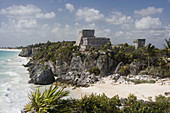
[
  {"x": 27, "y": 52},
  {"x": 118, "y": 67},
  {"x": 103, "y": 64},
  {"x": 136, "y": 67},
  {"x": 121, "y": 80},
  {"x": 165, "y": 81},
  {"x": 43, "y": 77},
  {"x": 76, "y": 64},
  {"x": 77, "y": 78},
  {"x": 115, "y": 77}
]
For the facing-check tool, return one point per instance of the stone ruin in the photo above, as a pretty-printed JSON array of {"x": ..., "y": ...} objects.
[
  {"x": 139, "y": 43},
  {"x": 86, "y": 40}
]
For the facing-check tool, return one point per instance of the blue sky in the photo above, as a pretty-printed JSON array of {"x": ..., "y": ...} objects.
[{"x": 25, "y": 22}]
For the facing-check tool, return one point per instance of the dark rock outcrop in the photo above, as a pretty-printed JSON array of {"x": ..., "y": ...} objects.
[
  {"x": 40, "y": 73},
  {"x": 27, "y": 52},
  {"x": 76, "y": 71},
  {"x": 43, "y": 77},
  {"x": 78, "y": 79}
]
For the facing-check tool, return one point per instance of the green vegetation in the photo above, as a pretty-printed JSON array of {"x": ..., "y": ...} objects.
[
  {"x": 152, "y": 61},
  {"x": 61, "y": 51},
  {"x": 95, "y": 70},
  {"x": 167, "y": 47},
  {"x": 48, "y": 100},
  {"x": 51, "y": 101},
  {"x": 143, "y": 81},
  {"x": 124, "y": 70},
  {"x": 168, "y": 44}
]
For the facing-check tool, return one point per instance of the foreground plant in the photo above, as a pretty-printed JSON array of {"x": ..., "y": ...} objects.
[
  {"x": 46, "y": 101},
  {"x": 51, "y": 101}
]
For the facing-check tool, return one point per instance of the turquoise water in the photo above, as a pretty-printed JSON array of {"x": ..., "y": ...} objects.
[
  {"x": 5, "y": 57},
  {"x": 14, "y": 87}
]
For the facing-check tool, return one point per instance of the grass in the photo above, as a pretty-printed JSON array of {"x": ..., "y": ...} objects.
[{"x": 143, "y": 81}]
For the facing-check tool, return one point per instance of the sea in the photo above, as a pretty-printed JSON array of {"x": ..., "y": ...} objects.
[{"x": 14, "y": 87}]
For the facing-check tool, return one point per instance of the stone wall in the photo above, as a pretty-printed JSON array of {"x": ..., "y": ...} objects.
[
  {"x": 83, "y": 34},
  {"x": 139, "y": 43},
  {"x": 86, "y": 40},
  {"x": 93, "y": 42},
  {"x": 87, "y": 33}
]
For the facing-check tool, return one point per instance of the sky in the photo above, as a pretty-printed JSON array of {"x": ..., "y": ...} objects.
[{"x": 26, "y": 22}]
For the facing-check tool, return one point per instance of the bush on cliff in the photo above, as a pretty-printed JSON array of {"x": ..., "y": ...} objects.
[
  {"x": 55, "y": 51},
  {"x": 95, "y": 70},
  {"x": 63, "y": 53}
]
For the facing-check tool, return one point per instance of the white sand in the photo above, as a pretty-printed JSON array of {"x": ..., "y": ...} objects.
[
  {"x": 10, "y": 49},
  {"x": 142, "y": 91}
]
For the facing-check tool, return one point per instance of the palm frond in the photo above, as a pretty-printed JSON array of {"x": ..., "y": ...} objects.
[{"x": 42, "y": 102}]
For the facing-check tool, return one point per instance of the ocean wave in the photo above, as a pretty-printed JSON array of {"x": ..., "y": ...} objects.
[
  {"x": 10, "y": 73},
  {"x": 14, "y": 87}
]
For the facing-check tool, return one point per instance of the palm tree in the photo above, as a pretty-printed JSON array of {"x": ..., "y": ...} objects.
[
  {"x": 168, "y": 44},
  {"x": 150, "y": 52},
  {"x": 167, "y": 47},
  {"x": 42, "y": 102}
]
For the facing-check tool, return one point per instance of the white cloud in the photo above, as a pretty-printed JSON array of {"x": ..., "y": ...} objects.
[
  {"x": 25, "y": 12},
  {"x": 118, "y": 18},
  {"x": 89, "y": 15},
  {"x": 20, "y": 10},
  {"x": 67, "y": 32},
  {"x": 148, "y": 23},
  {"x": 46, "y": 15},
  {"x": 168, "y": 0},
  {"x": 148, "y": 11},
  {"x": 22, "y": 26},
  {"x": 103, "y": 32},
  {"x": 26, "y": 23},
  {"x": 119, "y": 34},
  {"x": 70, "y": 7}
]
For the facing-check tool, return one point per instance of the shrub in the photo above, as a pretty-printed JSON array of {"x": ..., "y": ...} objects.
[
  {"x": 143, "y": 81},
  {"x": 51, "y": 101},
  {"x": 99, "y": 104},
  {"x": 48, "y": 100},
  {"x": 95, "y": 70},
  {"x": 124, "y": 70},
  {"x": 162, "y": 103}
]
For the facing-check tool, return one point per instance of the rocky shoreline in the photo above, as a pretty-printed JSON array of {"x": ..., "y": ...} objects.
[{"x": 77, "y": 71}]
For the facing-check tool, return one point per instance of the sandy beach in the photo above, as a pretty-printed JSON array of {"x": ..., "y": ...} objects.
[
  {"x": 10, "y": 49},
  {"x": 142, "y": 91}
]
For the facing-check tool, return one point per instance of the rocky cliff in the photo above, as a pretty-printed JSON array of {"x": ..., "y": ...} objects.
[
  {"x": 66, "y": 63},
  {"x": 81, "y": 70}
]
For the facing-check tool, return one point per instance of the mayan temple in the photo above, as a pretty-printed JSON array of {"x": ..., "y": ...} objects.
[{"x": 86, "y": 40}]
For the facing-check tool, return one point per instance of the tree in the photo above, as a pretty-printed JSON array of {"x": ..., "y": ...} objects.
[
  {"x": 150, "y": 52},
  {"x": 167, "y": 47},
  {"x": 168, "y": 44}
]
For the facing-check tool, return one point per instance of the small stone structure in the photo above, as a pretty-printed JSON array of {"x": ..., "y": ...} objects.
[
  {"x": 139, "y": 43},
  {"x": 86, "y": 40}
]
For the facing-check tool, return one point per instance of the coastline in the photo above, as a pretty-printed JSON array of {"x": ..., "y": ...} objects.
[
  {"x": 14, "y": 87},
  {"x": 110, "y": 88},
  {"x": 11, "y": 50}
]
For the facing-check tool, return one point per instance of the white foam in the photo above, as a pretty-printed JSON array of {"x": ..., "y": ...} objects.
[
  {"x": 10, "y": 73},
  {"x": 9, "y": 60},
  {"x": 14, "y": 89}
]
